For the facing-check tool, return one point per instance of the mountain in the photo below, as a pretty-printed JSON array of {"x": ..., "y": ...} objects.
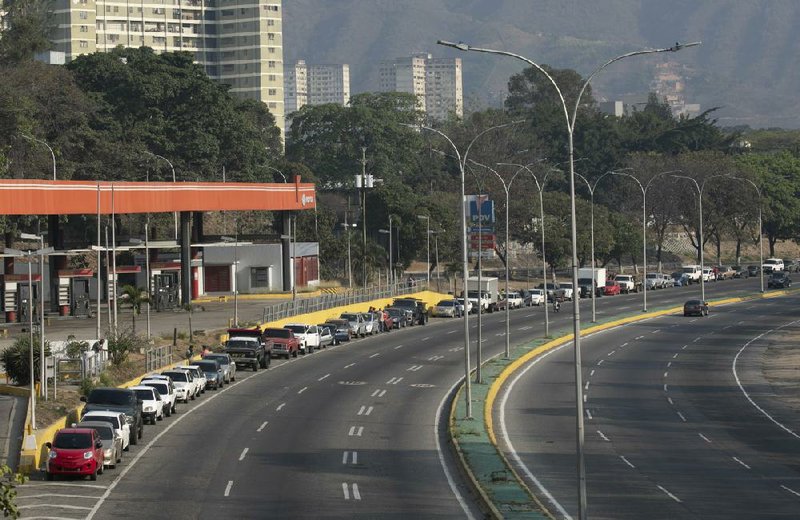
[{"x": 747, "y": 65}]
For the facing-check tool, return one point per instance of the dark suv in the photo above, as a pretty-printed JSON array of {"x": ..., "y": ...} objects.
[
  {"x": 780, "y": 280},
  {"x": 117, "y": 400},
  {"x": 248, "y": 348},
  {"x": 417, "y": 308}
]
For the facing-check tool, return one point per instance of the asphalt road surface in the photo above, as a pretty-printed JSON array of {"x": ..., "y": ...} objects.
[
  {"x": 351, "y": 431},
  {"x": 680, "y": 421}
]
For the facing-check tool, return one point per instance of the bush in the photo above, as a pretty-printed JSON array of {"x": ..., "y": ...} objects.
[
  {"x": 76, "y": 348},
  {"x": 121, "y": 344},
  {"x": 87, "y": 385},
  {"x": 16, "y": 359}
]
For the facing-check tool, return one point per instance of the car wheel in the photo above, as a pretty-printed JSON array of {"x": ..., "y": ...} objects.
[
  {"x": 141, "y": 431},
  {"x": 295, "y": 353},
  {"x": 685, "y": 313},
  {"x": 160, "y": 417},
  {"x": 193, "y": 397},
  {"x": 118, "y": 459},
  {"x": 175, "y": 407},
  {"x": 100, "y": 469},
  {"x": 255, "y": 367},
  {"x": 93, "y": 476},
  {"x": 133, "y": 440},
  {"x": 169, "y": 411}
]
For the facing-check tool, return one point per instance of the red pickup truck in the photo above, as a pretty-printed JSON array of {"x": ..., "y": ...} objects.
[{"x": 284, "y": 342}]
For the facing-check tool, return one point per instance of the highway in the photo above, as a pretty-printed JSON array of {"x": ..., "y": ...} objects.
[
  {"x": 351, "y": 431},
  {"x": 680, "y": 419}
]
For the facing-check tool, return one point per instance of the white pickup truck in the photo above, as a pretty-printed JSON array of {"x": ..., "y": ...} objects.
[
  {"x": 515, "y": 300},
  {"x": 692, "y": 272}
]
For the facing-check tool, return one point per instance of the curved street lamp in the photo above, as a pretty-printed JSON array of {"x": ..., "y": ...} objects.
[
  {"x": 53, "y": 155},
  {"x": 645, "y": 188},
  {"x": 462, "y": 160},
  {"x": 570, "y": 119},
  {"x": 174, "y": 214}
]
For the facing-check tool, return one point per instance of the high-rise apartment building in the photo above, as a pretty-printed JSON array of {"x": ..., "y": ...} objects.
[
  {"x": 295, "y": 84},
  {"x": 316, "y": 85},
  {"x": 239, "y": 42},
  {"x": 436, "y": 82}
]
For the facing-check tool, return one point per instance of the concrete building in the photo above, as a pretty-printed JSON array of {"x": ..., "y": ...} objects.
[
  {"x": 437, "y": 83},
  {"x": 239, "y": 43},
  {"x": 316, "y": 85},
  {"x": 295, "y": 86}
]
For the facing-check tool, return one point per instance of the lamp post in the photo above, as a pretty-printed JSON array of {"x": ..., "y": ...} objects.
[
  {"x": 175, "y": 214},
  {"x": 146, "y": 268},
  {"x": 235, "y": 273},
  {"x": 428, "y": 246},
  {"x": 506, "y": 188},
  {"x": 276, "y": 170},
  {"x": 347, "y": 228},
  {"x": 645, "y": 188},
  {"x": 570, "y": 119},
  {"x": 591, "y": 188},
  {"x": 53, "y": 155},
  {"x": 464, "y": 267},
  {"x": 760, "y": 230},
  {"x": 391, "y": 265},
  {"x": 41, "y": 252},
  {"x": 540, "y": 189},
  {"x": 700, "y": 188},
  {"x": 436, "y": 249}
]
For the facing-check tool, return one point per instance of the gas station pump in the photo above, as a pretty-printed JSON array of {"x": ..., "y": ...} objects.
[
  {"x": 73, "y": 292},
  {"x": 16, "y": 295},
  {"x": 166, "y": 290}
]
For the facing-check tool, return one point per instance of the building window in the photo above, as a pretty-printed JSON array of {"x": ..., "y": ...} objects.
[
  {"x": 83, "y": 44},
  {"x": 272, "y": 105},
  {"x": 271, "y": 37},
  {"x": 272, "y": 50},
  {"x": 272, "y": 92},
  {"x": 270, "y": 22},
  {"x": 84, "y": 28},
  {"x": 259, "y": 277},
  {"x": 271, "y": 64},
  {"x": 84, "y": 15}
]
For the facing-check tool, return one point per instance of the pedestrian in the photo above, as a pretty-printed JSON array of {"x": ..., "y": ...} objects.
[
  {"x": 206, "y": 351},
  {"x": 189, "y": 353}
]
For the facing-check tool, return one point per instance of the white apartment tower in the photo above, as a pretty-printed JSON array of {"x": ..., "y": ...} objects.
[
  {"x": 436, "y": 82},
  {"x": 316, "y": 85},
  {"x": 295, "y": 79},
  {"x": 239, "y": 42}
]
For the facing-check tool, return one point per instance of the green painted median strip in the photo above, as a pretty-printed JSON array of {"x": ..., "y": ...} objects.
[{"x": 501, "y": 489}]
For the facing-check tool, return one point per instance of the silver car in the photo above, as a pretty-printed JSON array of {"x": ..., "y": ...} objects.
[
  {"x": 112, "y": 441},
  {"x": 227, "y": 364}
]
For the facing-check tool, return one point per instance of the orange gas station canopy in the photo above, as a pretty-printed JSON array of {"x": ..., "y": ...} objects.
[{"x": 41, "y": 197}]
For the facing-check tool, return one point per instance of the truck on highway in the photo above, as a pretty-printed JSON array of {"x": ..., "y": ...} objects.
[
  {"x": 483, "y": 295},
  {"x": 585, "y": 280},
  {"x": 692, "y": 272},
  {"x": 628, "y": 283}
]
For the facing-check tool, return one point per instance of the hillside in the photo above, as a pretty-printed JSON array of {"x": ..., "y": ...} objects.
[{"x": 747, "y": 64}]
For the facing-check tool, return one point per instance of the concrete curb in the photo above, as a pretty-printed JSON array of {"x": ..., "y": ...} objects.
[{"x": 525, "y": 354}]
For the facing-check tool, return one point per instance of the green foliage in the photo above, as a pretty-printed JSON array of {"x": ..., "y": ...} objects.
[
  {"x": 121, "y": 344},
  {"x": 8, "y": 492},
  {"x": 16, "y": 359},
  {"x": 76, "y": 348},
  {"x": 87, "y": 385},
  {"x": 27, "y": 26}
]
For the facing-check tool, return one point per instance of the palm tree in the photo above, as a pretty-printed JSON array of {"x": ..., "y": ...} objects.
[{"x": 135, "y": 296}]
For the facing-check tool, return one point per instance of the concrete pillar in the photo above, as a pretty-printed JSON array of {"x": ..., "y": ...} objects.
[
  {"x": 286, "y": 255},
  {"x": 186, "y": 257},
  {"x": 56, "y": 240}
]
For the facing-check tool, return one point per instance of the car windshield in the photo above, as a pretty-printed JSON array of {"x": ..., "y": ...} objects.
[
  {"x": 652, "y": 276},
  {"x": 72, "y": 441},
  {"x": 445, "y": 303},
  {"x": 689, "y": 269},
  {"x": 238, "y": 343},
  {"x": 693, "y": 302},
  {"x": 222, "y": 358},
  {"x": 565, "y": 285},
  {"x": 144, "y": 395},
  {"x": 350, "y": 317},
  {"x": 110, "y": 396},
  {"x": 772, "y": 262},
  {"x": 297, "y": 329},
  {"x": 113, "y": 421},
  {"x": 207, "y": 366},
  {"x": 611, "y": 283},
  {"x": 106, "y": 433},
  {"x": 177, "y": 376},
  {"x": 162, "y": 388},
  {"x": 277, "y": 333},
  {"x": 404, "y": 303}
]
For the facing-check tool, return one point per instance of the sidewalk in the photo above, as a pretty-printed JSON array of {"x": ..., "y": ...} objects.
[{"x": 12, "y": 419}]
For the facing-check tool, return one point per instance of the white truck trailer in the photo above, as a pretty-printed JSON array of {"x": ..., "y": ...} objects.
[
  {"x": 585, "y": 275},
  {"x": 483, "y": 295}
]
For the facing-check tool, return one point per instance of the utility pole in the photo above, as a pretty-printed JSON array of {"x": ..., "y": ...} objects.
[{"x": 364, "y": 208}]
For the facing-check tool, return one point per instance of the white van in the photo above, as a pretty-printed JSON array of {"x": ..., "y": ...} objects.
[
  {"x": 692, "y": 273},
  {"x": 772, "y": 264}
]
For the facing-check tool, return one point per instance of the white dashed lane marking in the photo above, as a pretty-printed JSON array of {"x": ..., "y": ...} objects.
[
  {"x": 263, "y": 425},
  {"x": 673, "y": 497},
  {"x": 792, "y": 491},
  {"x": 681, "y": 416},
  {"x": 346, "y": 491},
  {"x": 704, "y": 438},
  {"x": 603, "y": 436},
  {"x": 742, "y": 463},
  {"x": 350, "y": 457},
  {"x": 302, "y": 390},
  {"x": 244, "y": 453},
  {"x": 324, "y": 377},
  {"x": 375, "y": 355},
  {"x": 626, "y": 461},
  {"x": 355, "y": 431},
  {"x": 280, "y": 407},
  {"x": 228, "y": 488},
  {"x": 350, "y": 365}
]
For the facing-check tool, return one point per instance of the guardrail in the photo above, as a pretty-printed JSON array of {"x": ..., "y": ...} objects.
[{"x": 328, "y": 301}]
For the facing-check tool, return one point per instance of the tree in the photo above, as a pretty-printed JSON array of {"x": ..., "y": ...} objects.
[
  {"x": 27, "y": 26},
  {"x": 8, "y": 491},
  {"x": 16, "y": 360},
  {"x": 135, "y": 297}
]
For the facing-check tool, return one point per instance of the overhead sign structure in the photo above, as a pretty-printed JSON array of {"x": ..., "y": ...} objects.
[{"x": 480, "y": 217}]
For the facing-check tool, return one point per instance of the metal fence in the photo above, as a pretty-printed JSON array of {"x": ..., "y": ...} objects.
[
  {"x": 329, "y": 301},
  {"x": 157, "y": 357}
]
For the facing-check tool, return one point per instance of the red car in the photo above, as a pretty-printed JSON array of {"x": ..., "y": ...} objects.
[
  {"x": 284, "y": 342},
  {"x": 75, "y": 451},
  {"x": 612, "y": 288}
]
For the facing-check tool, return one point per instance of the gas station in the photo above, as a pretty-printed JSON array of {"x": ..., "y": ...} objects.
[{"x": 175, "y": 279}]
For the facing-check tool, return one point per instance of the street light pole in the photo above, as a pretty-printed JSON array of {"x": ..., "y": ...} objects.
[
  {"x": 540, "y": 189},
  {"x": 760, "y": 230},
  {"x": 235, "y": 241},
  {"x": 53, "y": 155},
  {"x": 391, "y": 267},
  {"x": 277, "y": 170},
  {"x": 570, "y": 122},
  {"x": 364, "y": 209},
  {"x": 174, "y": 214},
  {"x": 346, "y": 227},
  {"x": 428, "y": 246},
  {"x": 464, "y": 264},
  {"x": 506, "y": 188},
  {"x": 644, "y": 188},
  {"x": 591, "y": 188},
  {"x": 40, "y": 238}
]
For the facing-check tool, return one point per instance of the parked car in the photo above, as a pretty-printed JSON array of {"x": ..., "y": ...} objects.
[
  {"x": 772, "y": 264},
  {"x": 198, "y": 377},
  {"x": 184, "y": 386},
  {"x": 740, "y": 271},
  {"x": 342, "y": 328},
  {"x": 227, "y": 364},
  {"x": 371, "y": 324},
  {"x": 75, "y": 451},
  {"x": 284, "y": 342},
  {"x": 399, "y": 317},
  {"x": 554, "y": 291},
  {"x": 117, "y": 421},
  {"x": 515, "y": 300},
  {"x": 212, "y": 369},
  {"x": 387, "y": 323},
  {"x": 627, "y": 283},
  {"x": 779, "y": 280},
  {"x": 695, "y": 308},
  {"x": 419, "y": 313},
  {"x": 248, "y": 348},
  {"x": 680, "y": 279},
  {"x": 585, "y": 286},
  {"x": 117, "y": 400},
  {"x": 446, "y": 309},
  {"x": 460, "y": 304},
  {"x": 725, "y": 272},
  {"x": 306, "y": 334},
  {"x": 112, "y": 441},
  {"x": 327, "y": 335},
  {"x": 534, "y": 297},
  {"x": 358, "y": 329},
  {"x": 166, "y": 389},
  {"x": 709, "y": 275},
  {"x": 667, "y": 281},
  {"x": 569, "y": 293},
  {"x": 612, "y": 288},
  {"x": 753, "y": 270},
  {"x": 152, "y": 405},
  {"x": 653, "y": 281}
]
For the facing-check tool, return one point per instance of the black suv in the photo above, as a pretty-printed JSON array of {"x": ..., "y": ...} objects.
[
  {"x": 247, "y": 347},
  {"x": 117, "y": 400},
  {"x": 779, "y": 280},
  {"x": 417, "y": 307}
]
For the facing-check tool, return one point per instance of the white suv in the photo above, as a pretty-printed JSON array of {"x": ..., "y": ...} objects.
[
  {"x": 184, "y": 383},
  {"x": 306, "y": 334},
  {"x": 166, "y": 390},
  {"x": 152, "y": 405},
  {"x": 199, "y": 376},
  {"x": 772, "y": 264}
]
